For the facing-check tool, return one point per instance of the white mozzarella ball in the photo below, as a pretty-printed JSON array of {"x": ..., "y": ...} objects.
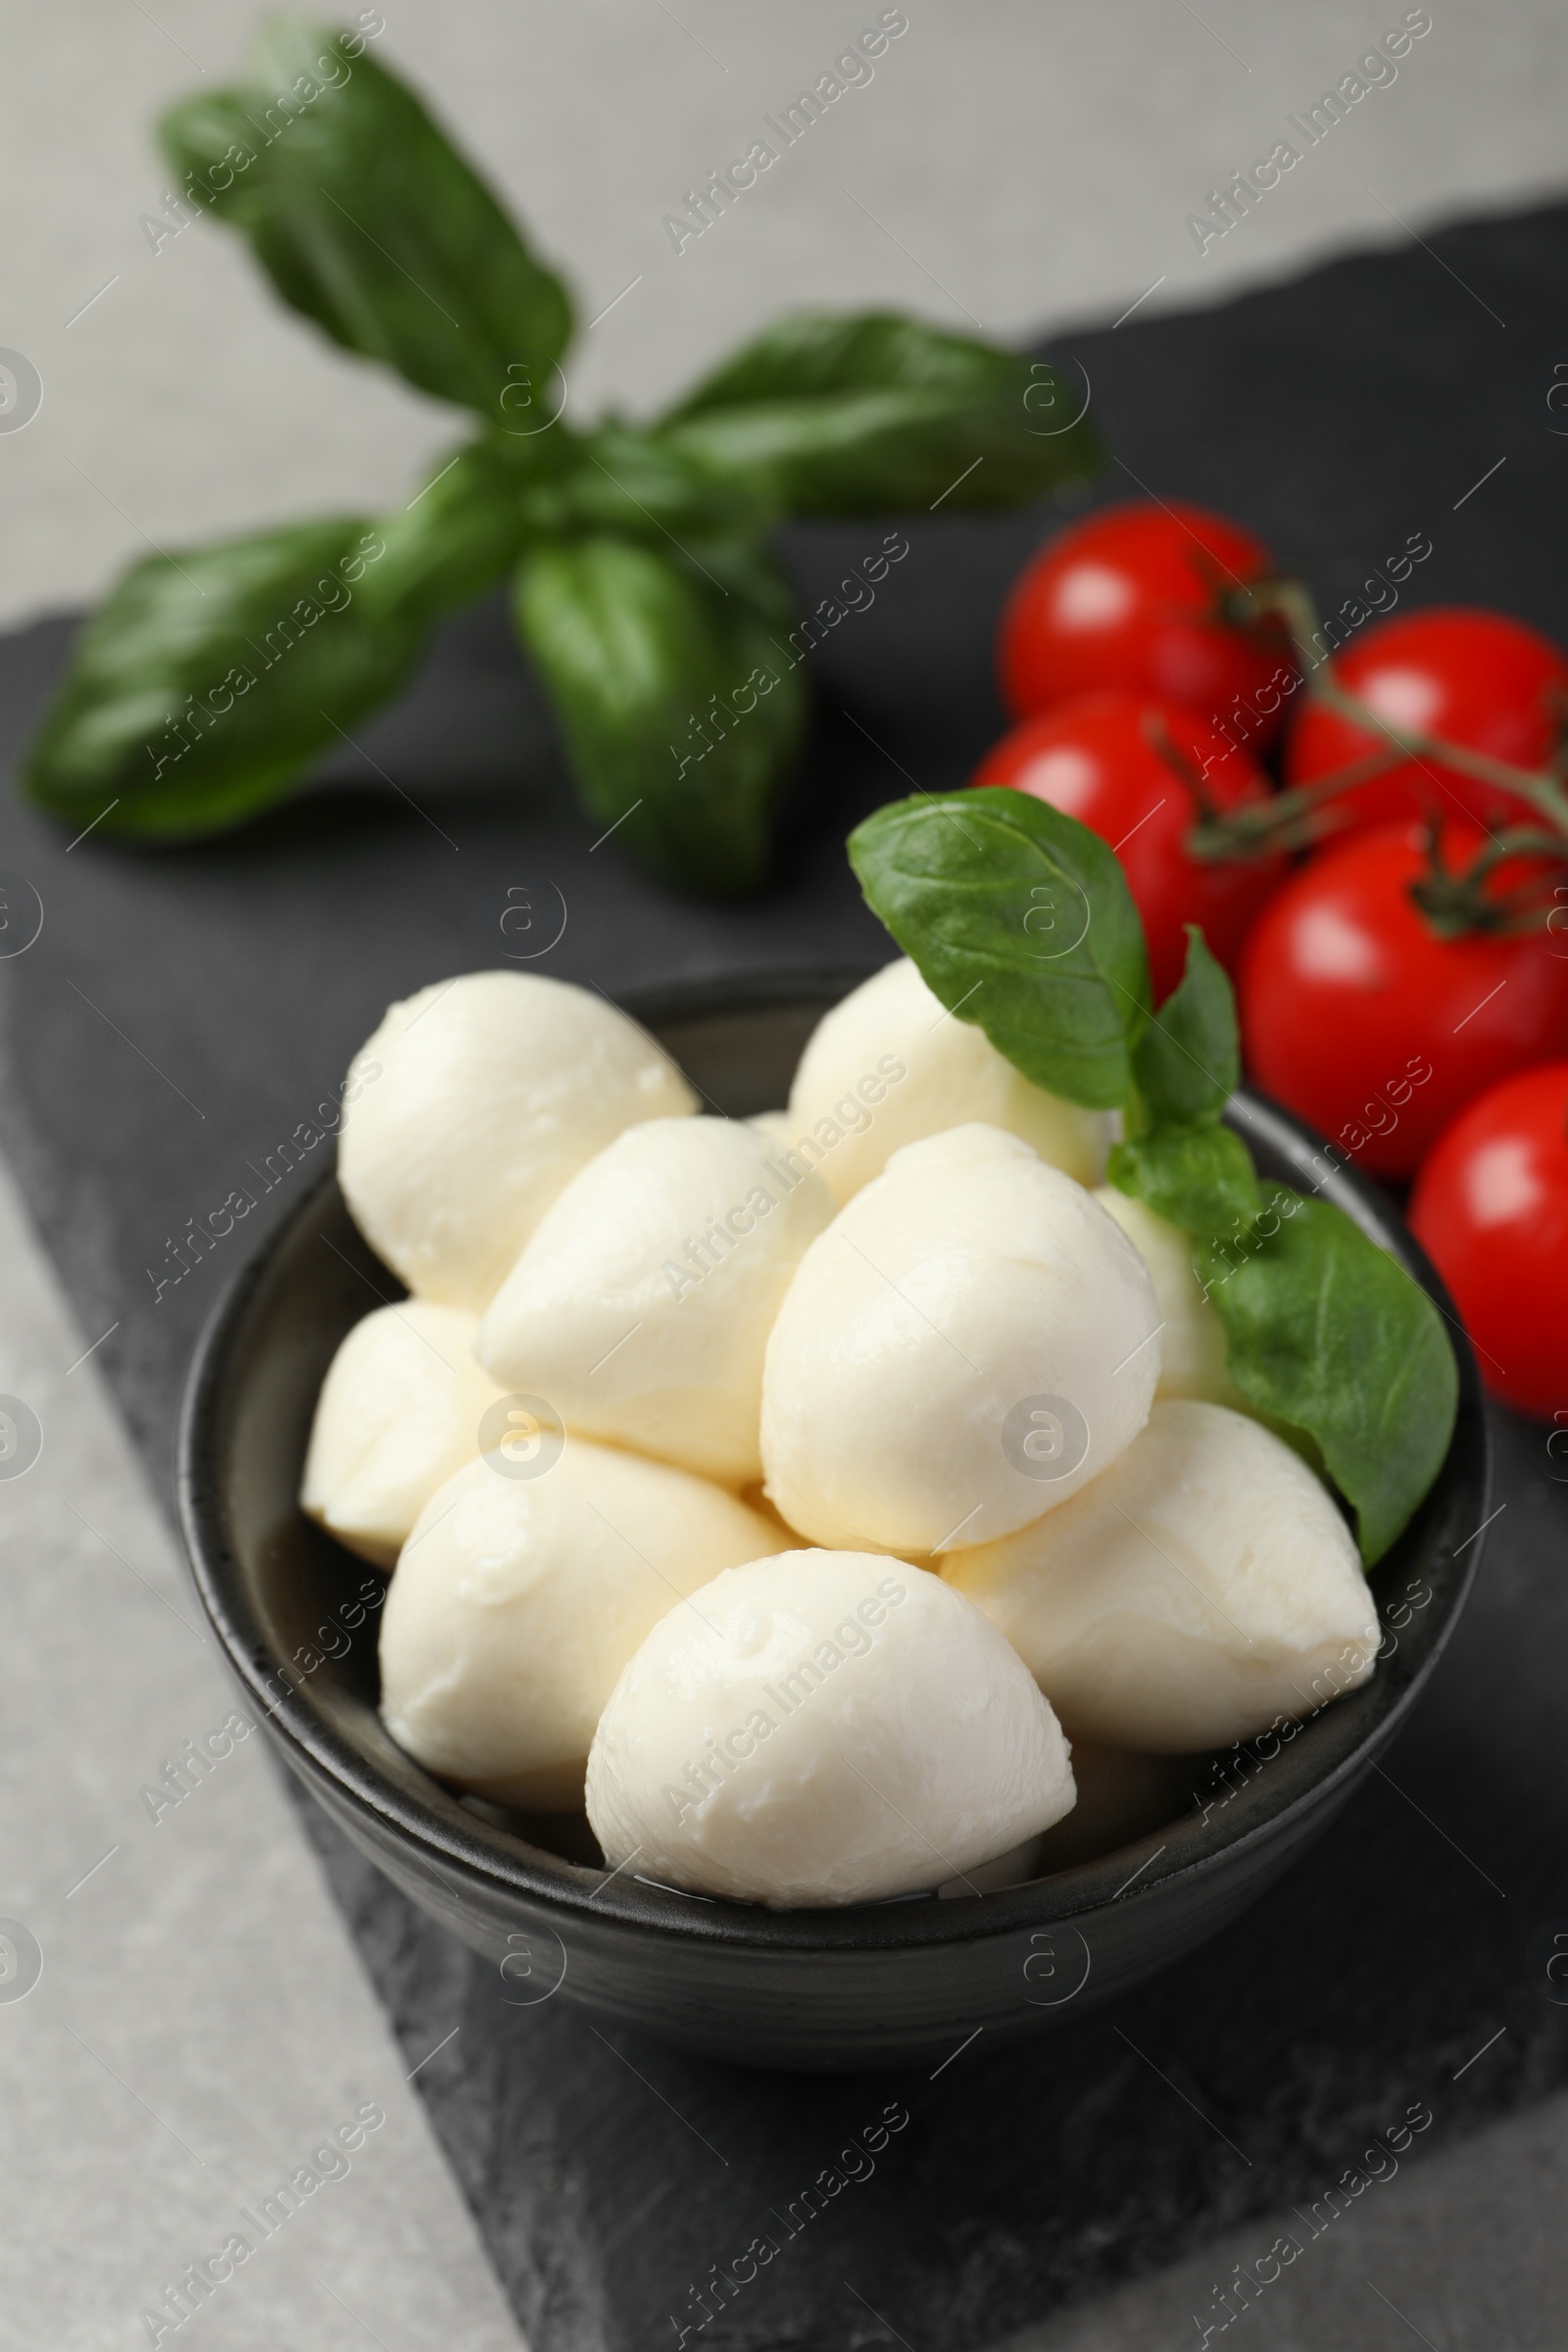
[
  {"x": 641, "y": 1307},
  {"x": 968, "y": 1343},
  {"x": 887, "y": 1065},
  {"x": 471, "y": 1106},
  {"x": 1191, "y": 1344},
  {"x": 824, "y": 1728},
  {"x": 1201, "y": 1585},
  {"x": 398, "y": 1411},
  {"x": 517, "y": 1599}
]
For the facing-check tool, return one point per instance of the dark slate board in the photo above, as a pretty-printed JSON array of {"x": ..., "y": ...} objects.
[{"x": 181, "y": 1012}]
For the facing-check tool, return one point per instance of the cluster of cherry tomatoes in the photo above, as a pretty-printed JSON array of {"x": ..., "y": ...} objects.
[{"x": 1351, "y": 832}]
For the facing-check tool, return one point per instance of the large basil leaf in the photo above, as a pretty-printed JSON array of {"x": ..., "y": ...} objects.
[
  {"x": 1328, "y": 1333},
  {"x": 207, "y": 683},
  {"x": 856, "y": 414},
  {"x": 204, "y": 682},
  {"x": 808, "y": 353},
  {"x": 1020, "y": 919},
  {"x": 367, "y": 218},
  {"x": 678, "y": 708}
]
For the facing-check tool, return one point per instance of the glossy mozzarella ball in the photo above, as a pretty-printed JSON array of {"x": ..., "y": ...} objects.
[
  {"x": 1191, "y": 1341},
  {"x": 1202, "y": 1586},
  {"x": 469, "y": 1108},
  {"x": 824, "y": 1728},
  {"x": 889, "y": 1065},
  {"x": 970, "y": 1342},
  {"x": 398, "y": 1411},
  {"x": 641, "y": 1307},
  {"x": 517, "y": 1601}
]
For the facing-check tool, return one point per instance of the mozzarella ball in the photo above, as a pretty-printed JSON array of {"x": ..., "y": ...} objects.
[
  {"x": 1191, "y": 1344},
  {"x": 517, "y": 1599},
  {"x": 824, "y": 1728},
  {"x": 971, "y": 1340},
  {"x": 398, "y": 1411},
  {"x": 1201, "y": 1585},
  {"x": 887, "y": 1065},
  {"x": 641, "y": 1306},
  {"x": 469, "y": 1108}
]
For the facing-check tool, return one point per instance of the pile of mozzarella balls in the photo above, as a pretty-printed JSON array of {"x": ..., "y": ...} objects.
[{"x": 795, "y": 1491}]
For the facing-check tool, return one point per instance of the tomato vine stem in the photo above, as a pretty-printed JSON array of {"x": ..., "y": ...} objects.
[{"x": 1299, "y": 816}]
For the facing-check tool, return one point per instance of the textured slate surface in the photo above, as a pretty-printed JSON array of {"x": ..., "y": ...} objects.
[{"x": 180, "y": 1013}]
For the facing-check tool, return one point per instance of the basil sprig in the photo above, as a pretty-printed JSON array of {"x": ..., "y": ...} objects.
[
  {"x": 1326, "y": 1335},
  {"x": 210, "y": 682}
]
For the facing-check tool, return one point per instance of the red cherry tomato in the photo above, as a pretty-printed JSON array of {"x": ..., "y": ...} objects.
[
  {"x": 1358, "y": 1016},
  {"x": 1119, "y": 762},
  {"x": 1143, "y": 598},
  {"x": 1477, "y": 678},
  {"x": 1491, "y": 1210}
]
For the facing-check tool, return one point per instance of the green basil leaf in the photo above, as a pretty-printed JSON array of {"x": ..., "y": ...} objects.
[
  {"x": 1188, "y": 1061},
  {"x": 368, "y": 220},
  {"x": 1329, "y": 1334},
  {"x": 678, "y": 709},
  {"x": 808, "y": 354},
  {"x": 205, "y": 683},
  {"x": 857, "y": 414},
  {"x": 1020, "y": 919},
  {"x": 638, "y": 487},
  {"x": 457, "y": 535},
  {"x": 1198, "y": 1177}
]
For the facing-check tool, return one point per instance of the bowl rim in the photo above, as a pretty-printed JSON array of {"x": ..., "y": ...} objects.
[{"x": 457, "y": 1844}]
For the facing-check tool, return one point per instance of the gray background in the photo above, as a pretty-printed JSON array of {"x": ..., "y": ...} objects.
[{"x": 182, "y": 1010}]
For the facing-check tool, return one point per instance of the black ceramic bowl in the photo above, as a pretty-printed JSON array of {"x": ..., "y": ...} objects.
[{"x": 875, "y": 1985}]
